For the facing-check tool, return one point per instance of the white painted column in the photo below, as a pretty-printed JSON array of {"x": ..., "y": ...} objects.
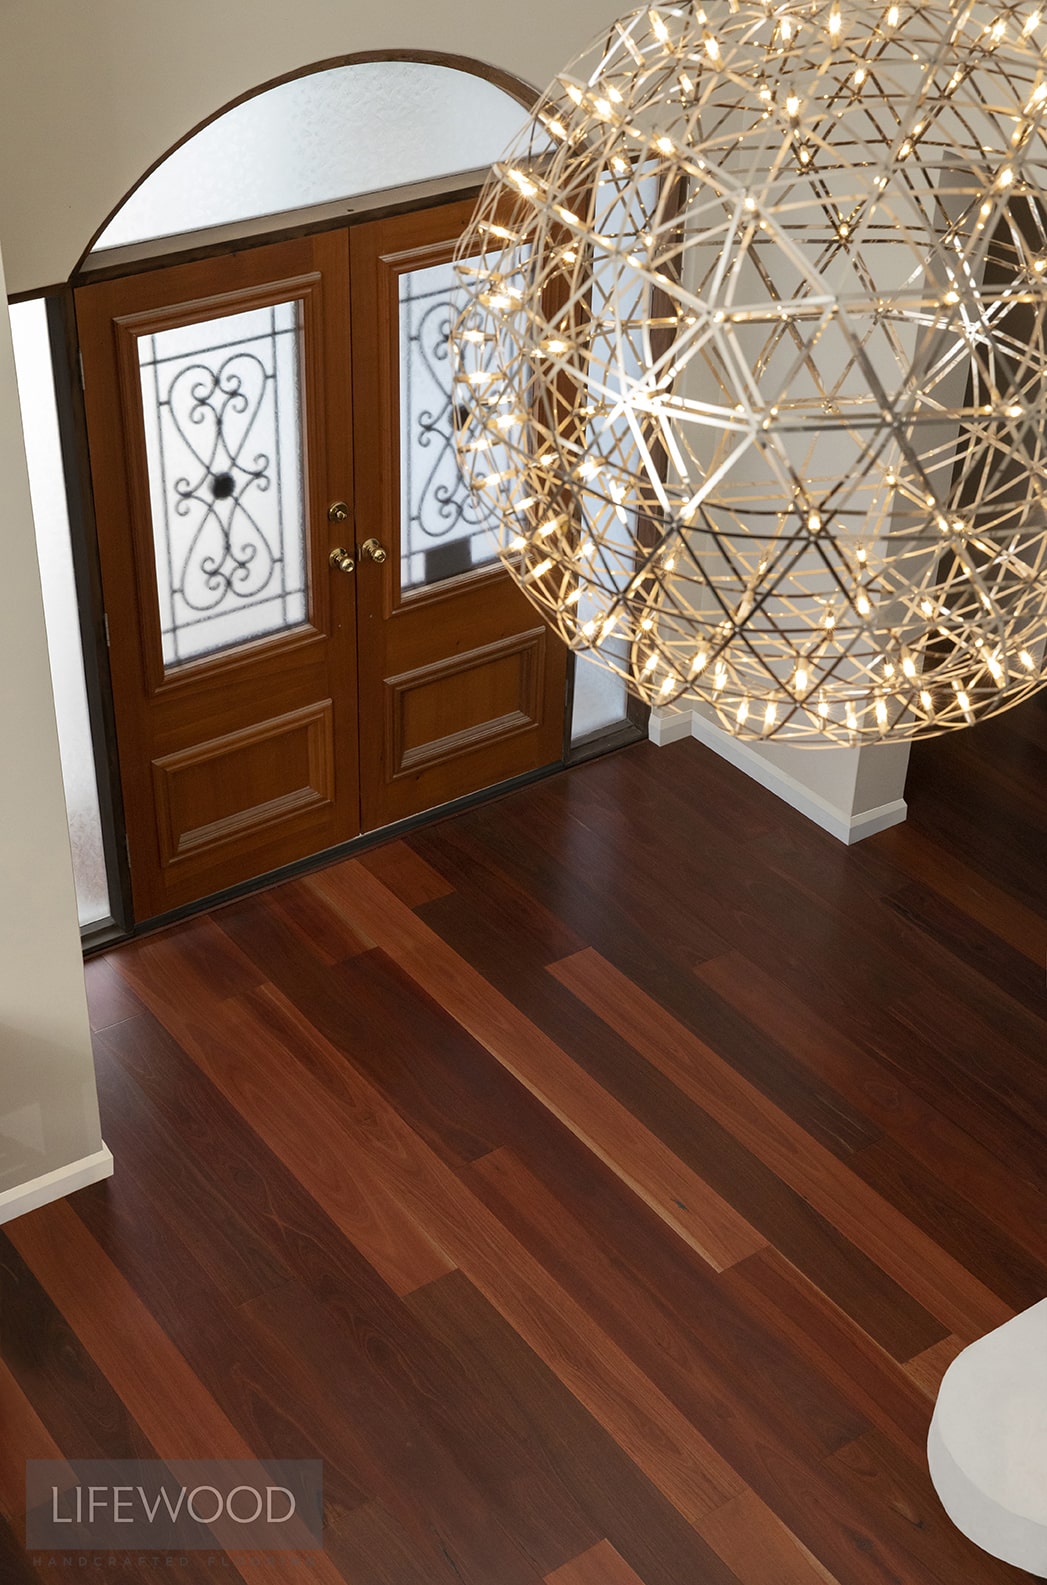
[{"x": 50, "y": 1141}]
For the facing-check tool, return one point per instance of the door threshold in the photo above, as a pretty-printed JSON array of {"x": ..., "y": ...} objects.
[{"x": 112, "y": 936}]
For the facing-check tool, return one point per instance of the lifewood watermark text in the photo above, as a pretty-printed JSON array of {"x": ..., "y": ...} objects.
[{"x": 146, "y": 1505}]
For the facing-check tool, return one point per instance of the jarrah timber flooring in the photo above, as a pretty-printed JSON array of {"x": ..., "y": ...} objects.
[{"x": 598, "y": 1182}]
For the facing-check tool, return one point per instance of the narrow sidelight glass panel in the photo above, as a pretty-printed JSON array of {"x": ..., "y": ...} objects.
[
  {"x": 43, "y": 449},
  {"x": 600, "y": 697},
  {"x": 223, "y": 433},
  {"x": 445, "y": 530}
]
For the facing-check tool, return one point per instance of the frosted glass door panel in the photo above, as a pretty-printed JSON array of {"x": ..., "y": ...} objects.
[
  {"x": 333, "y": 134},
  {"x": 223, "y": 437},
  {"x": 445, "y": 530},
  {"x": 600, "y": 699}
]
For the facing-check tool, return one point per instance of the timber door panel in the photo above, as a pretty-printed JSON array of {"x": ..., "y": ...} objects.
[
  {"x": 217, "y": 397},
  {"x": 461, "y": 683},
  {"x": 270, "y": 705}
]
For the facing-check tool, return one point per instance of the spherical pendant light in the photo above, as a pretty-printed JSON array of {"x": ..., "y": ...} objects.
[{"x": 751, "y": 361}]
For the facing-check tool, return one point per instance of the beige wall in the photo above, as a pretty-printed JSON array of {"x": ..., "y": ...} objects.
[
  {"x": 93, "y": 91},
  {"x": 48, "y": 1111}
]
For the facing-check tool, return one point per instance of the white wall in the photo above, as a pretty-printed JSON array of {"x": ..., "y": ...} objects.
[
  {"x": 92, "y": 93},
  {"x": 49, "y": 1131}
]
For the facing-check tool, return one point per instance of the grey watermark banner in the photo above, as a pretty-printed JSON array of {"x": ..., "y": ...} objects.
[{"x": 179, "y": 1505}]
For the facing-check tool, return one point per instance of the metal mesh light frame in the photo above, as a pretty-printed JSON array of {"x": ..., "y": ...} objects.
[{"x": 750, "y": 361}]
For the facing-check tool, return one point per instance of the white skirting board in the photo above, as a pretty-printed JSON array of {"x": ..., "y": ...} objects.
[
  {"x": 669, "y": 726},
  {"x": 54, "y": 1185}
]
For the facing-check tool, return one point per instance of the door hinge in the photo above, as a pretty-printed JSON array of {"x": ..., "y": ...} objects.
[
  {"x": 105, "y": 619},
  {"x": 83, "y": 381}
]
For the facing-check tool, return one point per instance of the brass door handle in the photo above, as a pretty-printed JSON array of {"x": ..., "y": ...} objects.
[
  {"x": 375, "y": 549},
  {"x": 337, "y": 512},
  {"x": 342, "y": 559}
]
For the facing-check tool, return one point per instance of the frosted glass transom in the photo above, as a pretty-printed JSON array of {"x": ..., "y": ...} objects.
[{"x": 351, "y": 129}]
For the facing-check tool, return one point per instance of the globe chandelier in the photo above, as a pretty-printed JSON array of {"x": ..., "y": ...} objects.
[{"x": 750, "y": 361}]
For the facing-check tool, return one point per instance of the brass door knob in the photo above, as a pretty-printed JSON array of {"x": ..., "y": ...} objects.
[
  {"x": 375, "y": 549},
  {"x": 342, "y": 559},
  {"x": 337, "y": 512}
]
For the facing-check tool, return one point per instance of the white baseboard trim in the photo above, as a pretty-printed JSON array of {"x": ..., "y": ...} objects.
[
  {"x": 881, "y": 819},
  {"x": 55, "y": 1185},
  {"x": 845, "y": 827},
  {"x": 669, "y": 726}
]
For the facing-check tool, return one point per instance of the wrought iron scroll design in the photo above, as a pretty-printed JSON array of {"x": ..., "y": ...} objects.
[
  {"x": 438, "y": 506},
  {"x": 217, "y": 475},
  {"x": 229, "y": 552}
]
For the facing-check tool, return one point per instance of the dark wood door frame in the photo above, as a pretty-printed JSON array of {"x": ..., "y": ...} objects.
[{"x": 72, "y": 432}]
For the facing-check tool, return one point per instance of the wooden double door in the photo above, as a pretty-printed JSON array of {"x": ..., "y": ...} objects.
[{"x": 309, "y": 633}]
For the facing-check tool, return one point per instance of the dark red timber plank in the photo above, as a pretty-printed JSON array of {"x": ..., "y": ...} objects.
[
  {"x": 457, "y": 1097},
  {"x": 261, "y": 1387},
  {"x": 957, "y": 1158},
  {"x": 998, "y": 972},
  {"x": 972, "y": 1094},
  {"x": 798, "y": 1026},
  {"x": 71, "y": 1397},
  {"x": 792, "y": 1307},
  {"x": 900, "y": 1490},
  {"x": 705, "y": 1353},
  {"x": 139, "y": 1360},
  {"x": 760, "y": 1548},
  {"x": 529, "y": 932},
  {"x": 554, "y": 843},
  {"x": 406, "y": 874},
  {"x": 199, "y": 1196},
  {"x": 108, "y": 998},
  {"x": 56, "y": 1404},
  {"x": 490, "y": 939},
  {"x": 25, "y": 1436},
  {"x": 809, "y": 1502},
  {"x": 398, "y": 1382},
  {"x": 254, "y": 1195},
  {"x": 683, "y": 1200},
  {"x": 385, "y": 1024},
  {"x": 15, "y": 1567},
  {"x": 933, "y": 1277},
  {"x": 749, "y": 1395},
  {"x": 438, "y": 1463},
  {"x": 371, "y": 1547},
  {"x": 601, "y": 1565},
  {"x": 319, "y": 933},
  {"x": 802, "y": 907},
  {"x": 928, "y": 1368},
  {"x": 246, "y": 1052},
  {"x": 955, "y": 1221},
  {"x": 966, "y": 1030},
  {"x": 980, "y": 796},
  {"x": 621, "y": 1503},
  {"x": 455, "y": 1074},
  {"x": 361, "y": 1203},
  {"x": 905, "y": 850}
]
